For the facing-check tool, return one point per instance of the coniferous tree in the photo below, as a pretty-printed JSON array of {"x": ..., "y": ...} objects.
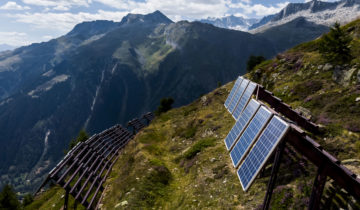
[
  {"x": 335, "y": 46},
  {"x": 8, "y": 199}
]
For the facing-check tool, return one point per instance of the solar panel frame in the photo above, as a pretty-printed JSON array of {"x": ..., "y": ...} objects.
[
  {"x": 270, "y": 152},
  {"x": 233, "y": 90},
  {"x": 244, "y": 135},
  {"x": 237, "y": 96},
  {"x": 244, "y": 100},
  {"x": 243, "y": 121}
]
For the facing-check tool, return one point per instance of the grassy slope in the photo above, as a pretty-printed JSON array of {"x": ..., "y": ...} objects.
[
  {"x": 161, "y": 168},
  {"x": 180, "y": 161},
  {"x": 299, "y": 78},
  {"x": 295, "y": 76}
]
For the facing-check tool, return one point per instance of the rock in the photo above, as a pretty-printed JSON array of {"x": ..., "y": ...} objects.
[
  {"x": 257, "y": 74},
  {"x": 347, "y": 76},
  {"x": 342, "y": 75},
  {"x": 124, "y": 203},
  {"x": 304, "y": 112},
  {"x": 320, "y": 67},
  {"x": 327, "y": 67},
  {"x": 357, "y": 99},
  {"x": 205, "y": 101}
]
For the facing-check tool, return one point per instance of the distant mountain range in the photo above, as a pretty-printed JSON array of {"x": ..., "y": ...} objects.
[
  {"x": 317, "y": 12},
  {"x": 4, "y": 47},
  {"x": 231, "y": 22},
  {"x": 102, "y": 73}
]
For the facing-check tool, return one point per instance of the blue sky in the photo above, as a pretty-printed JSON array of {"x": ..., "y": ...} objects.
[{"x": 26, "y": 21}]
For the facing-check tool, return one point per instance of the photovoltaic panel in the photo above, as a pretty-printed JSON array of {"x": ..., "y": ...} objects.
[
  {"x": 244, "y": 100},
  {"x": 233, "y": 90},
  {"x": 250, "y": 135},
  {"x": 265, "y": 145},
  {"x": 241, "y": 123},
  {"x": 237, "y": 95}
]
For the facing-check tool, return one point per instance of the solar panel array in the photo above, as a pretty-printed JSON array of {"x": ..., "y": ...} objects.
[
  {"x": 244, "y": 100},
  {"x": 241, "y": 123},
  {"x": 250, "y": 134},
  {"x": 233, "y": 90},
  {"x": 255, "y": 134},
  {"x": 261, "y": 151},
  {"x": 237, "y": 95},
  {"x": 83, "y": 171}
]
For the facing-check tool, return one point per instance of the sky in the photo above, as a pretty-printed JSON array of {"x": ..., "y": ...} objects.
[{"x": 23, "y": 22}]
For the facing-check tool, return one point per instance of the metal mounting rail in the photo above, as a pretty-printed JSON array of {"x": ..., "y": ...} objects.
[
  {"x": 285, "y": 109},
  {"x": 83, "y": 171}
]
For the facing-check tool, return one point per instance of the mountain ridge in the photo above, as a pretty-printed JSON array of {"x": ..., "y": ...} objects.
[{"x": 110, "y": 75}]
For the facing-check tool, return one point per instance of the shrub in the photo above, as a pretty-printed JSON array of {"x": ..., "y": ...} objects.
[
  {"x": 165, "y": 105},
  {"x": 82, "y": 136},
  {"x": 8, "y": 198},
  {"x": 253, "y": 61}
]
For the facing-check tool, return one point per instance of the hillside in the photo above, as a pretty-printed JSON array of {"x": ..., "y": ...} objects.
[{"x": 180, "y": 160}]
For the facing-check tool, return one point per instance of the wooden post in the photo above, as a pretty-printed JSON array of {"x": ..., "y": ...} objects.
[
  {"x": 318, "y": 188},
  {"x": 273, "y": 176},
  {"x": 66, "y": 200}
]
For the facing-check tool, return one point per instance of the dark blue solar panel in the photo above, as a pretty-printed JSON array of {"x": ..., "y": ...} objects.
[
  {"x": 233, "y": 90},
  {"x": 261, "y": 151},
  {"x": 244, "y": 100},
  {"x": 250, "y": 134},
  {"x": 237, "y": 95},
  {"x": 241, "y": 123}
]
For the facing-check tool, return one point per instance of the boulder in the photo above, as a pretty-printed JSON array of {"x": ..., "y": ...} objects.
[{"x": 327, "y": 67}]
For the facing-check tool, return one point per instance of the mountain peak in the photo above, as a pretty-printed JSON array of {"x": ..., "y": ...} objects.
[{"x": 155, "y": 17}]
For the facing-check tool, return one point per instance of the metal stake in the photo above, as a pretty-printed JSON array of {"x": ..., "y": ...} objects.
[{"x": 273, "y": 176}]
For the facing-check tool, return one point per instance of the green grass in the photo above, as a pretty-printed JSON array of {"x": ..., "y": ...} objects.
[{"x": 198, "y": 147}]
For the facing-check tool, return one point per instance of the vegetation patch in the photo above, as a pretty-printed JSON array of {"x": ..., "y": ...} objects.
[{"x": 198, "y": 147}]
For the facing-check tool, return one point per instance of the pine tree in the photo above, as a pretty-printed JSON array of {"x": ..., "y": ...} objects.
[
  {"x": 8, "y": 199},
  {"x": 335, "y": 46}
]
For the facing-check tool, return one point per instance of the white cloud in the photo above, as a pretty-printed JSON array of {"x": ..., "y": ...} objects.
[
  {"x": 14, "y": 38},
  {"x": 61, "y": 5},
  {"x": 259, "y": 9},
  {"x": 47, "y": 37},
  {"x": 175, "y": 10},
  {"x": 11, "y": 5},
  {"x": 64, "y": 22}
]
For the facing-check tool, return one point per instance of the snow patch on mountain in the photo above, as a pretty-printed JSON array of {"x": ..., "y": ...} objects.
[
  {"x": 342, "y": 13},
  {"x": 231, "y": 22}
]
